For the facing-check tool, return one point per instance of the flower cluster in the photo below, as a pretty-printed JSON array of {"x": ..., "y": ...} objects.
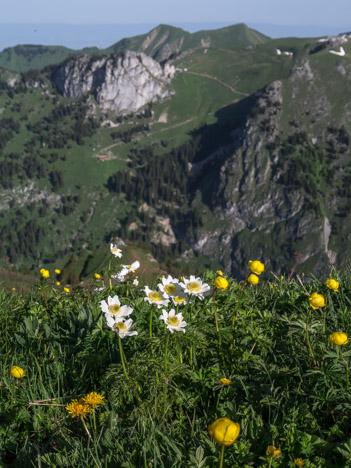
[
  {"x": 126, "y": 273},
  {"x": 116, "y": 314},
  {"x": 84, "y": 406},
  {"x": 257, "y": 268},
  {"x": 44, "y": 273}
]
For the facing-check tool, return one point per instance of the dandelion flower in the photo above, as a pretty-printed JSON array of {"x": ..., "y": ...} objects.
[
  {"x": 224, "y": 431},
  {"x": 115, "y": 250},
  {"x": 122, "y": 327},
  {"x": 299, "y": 461},
  {"x": 273, "y": 451},
  {"x": 225, "y": 381},
  {"x": 78, "y": 409},
  {"x": 17, "y": 372},
  {"x": 93, "y": 399},
  {"x": 256, "y": 267},
  {"x": 113, "y": 308},
  {"x": 173, "y": 321},
  {"x": 339, "y": 338},
  {"x": 316, "y": 300},
  {"x": 332, "y": 284},
  {"x": 195, "y": 287},
  {"x": 155, "y": 297},
  {"x": 169, "y": 286}
]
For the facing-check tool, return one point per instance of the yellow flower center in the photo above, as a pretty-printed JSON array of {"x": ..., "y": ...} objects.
[
  {"x": 179, "y": 299},
  {"x": 155, "y": 296},
  {"x": 122, "y": 327},
  {"x": 114, "y": 309},
  {"x": 170, "y": 288},
  {"x": 194, "y": 286},
  {"x": 173, "y": 321}
]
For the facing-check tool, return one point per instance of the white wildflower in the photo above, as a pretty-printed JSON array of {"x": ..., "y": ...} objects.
[
  {"x": 115, "y": 250},
  {"x": 173, "y": 321},
  {"x": 195, "y": 287},
  {"x": 114, "y": 309},
  {"x": 155, "y": 297}
]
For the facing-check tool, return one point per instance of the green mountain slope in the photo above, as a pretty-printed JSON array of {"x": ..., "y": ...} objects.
[
  {"x": 249, "y": 157},
  {"x": 160, "y": 43}
]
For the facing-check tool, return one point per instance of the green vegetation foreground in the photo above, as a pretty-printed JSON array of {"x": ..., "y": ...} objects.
[{"x": 188, "y": 372}]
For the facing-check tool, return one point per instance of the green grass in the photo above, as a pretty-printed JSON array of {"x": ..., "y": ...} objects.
[{"x": 288, "y": 383}]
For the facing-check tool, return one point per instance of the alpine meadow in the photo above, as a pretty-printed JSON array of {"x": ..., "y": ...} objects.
[{"x": 175, "y": 264}]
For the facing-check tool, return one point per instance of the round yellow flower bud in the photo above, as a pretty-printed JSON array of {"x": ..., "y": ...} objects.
[
  {"x": 256, "y": 267},
  {"x": 97, "y": 276},
  {"x": 17, "y": 372},
  {"x": 224, "y": 431},
  {"x": 57, "y": 271},
  {"x": 339, "y": 338},
  {"x": 66, "y": 290},
  {"x": 225, "y": 381},
  {"x": 316, "y": 300},
  {"x": 44, "y": 273},
  {"x": 273, "y": 452},
  {"x": 58, "y": 283},
  {"x": 332, "y": 284},
  {"x": 221, "y": 283},
  {"x": 219, "y": 272},
  {"x": 253, "y": 279}
]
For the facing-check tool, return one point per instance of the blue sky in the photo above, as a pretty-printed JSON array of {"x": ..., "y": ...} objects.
[
  {"x": 26, "y": 21},
  {"x": 286, "y": 12}
]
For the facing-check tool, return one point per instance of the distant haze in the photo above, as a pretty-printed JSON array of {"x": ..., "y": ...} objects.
[{"x": 78, "y": 36}]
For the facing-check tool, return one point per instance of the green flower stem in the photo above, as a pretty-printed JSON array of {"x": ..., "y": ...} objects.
[
  {"x": 308, "y": 339},
  {"x": 94, "y": 421},
  {"x": 347, "y": 367},
  {"x": 222, "y": 457},
  {"x": 122, "y": 357},
  {"x": 124, "y": 364},
  {"x": 109, "y": 275},
  {"x": 86, "y": 429},
  {"x": 270, "y": 462},
  {"x": 166, "y": 352},
  {"x": 191, "y": 346}
]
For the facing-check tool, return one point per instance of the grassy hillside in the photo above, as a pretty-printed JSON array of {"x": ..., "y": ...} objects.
[{"x": 76, "y": 392}]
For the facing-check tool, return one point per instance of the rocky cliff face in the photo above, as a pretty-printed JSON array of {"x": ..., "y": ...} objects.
[
  {"x": 281, "y": 192},
  {"x": 121, "y": 84}
]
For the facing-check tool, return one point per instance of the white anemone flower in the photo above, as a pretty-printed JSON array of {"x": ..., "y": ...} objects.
[
  {"x": 195, "y": 287},
  {"x": 130, "y": 268},
  {"x": 115, "y": 250},
  {"x": 180, "y": 299},
  {"x": 173, "y": 321},
  {"x": 121, "y": 327},
  {"x": 169, "y": 286},
  {"x": 155, "y": 297},
  {"x": 135, "y": 282},
  {"x": 114, "y": 309}
]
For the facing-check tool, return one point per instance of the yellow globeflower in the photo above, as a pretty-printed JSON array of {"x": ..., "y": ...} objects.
[
  {"x": 256, "y": 267},
  {"x": 253, "y": 279},
  {"x": 17, "y": 372},
  {"x": 332, "y": 284},
  {"x": 44, "y": 273},
  {"x": 219, "y": 272},
  {"x": 224, "y": 431},
  {"x": 58, "y": 283},
  {"x": 78, "y": 409},
  {"x": 66, "y": 290},
  {"x": 225, "y": 381},
  {"x": 299, "y": 462},
  {"x": 221, "y": 283},
  {"x": 316, "y": 300},
  {"x": 57, "y": 271},
  {"x": 97, "y": 276},
  {"x": 339, "y": 338},
  {"x": 273, "y": 452}
]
